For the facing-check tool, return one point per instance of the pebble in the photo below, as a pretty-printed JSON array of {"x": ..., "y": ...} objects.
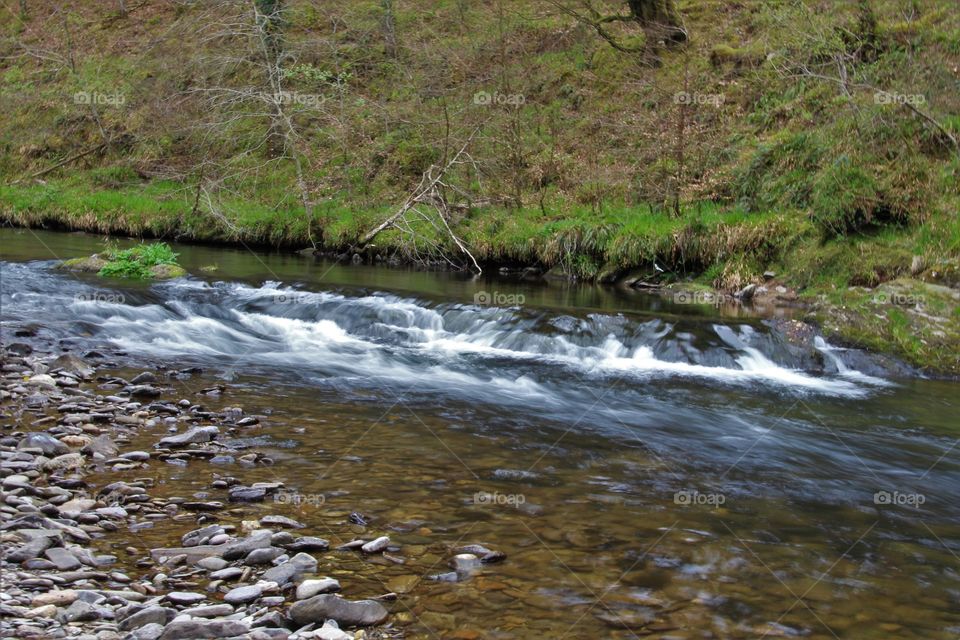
[
  {"x": 185, "y": 598},
  {"x": 377, "y": 545},
  {"x": 243, "y": 595},
  {"x": 310, "y": 588}
]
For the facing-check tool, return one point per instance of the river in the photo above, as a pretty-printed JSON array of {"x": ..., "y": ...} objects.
[{"x": 652, "y": 469}]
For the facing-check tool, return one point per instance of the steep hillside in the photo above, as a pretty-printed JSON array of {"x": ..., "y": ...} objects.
[{"x": 817, "y": 140}]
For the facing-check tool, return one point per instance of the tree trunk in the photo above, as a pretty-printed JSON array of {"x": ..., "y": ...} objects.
[
  {"x": 659, "y": 17},
  {"x": 389, "y": 28}
]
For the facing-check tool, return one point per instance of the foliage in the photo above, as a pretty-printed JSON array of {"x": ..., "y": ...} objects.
[{"x": 136, "y": 261}]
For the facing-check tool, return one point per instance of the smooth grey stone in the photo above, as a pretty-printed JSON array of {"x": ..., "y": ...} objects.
[{"x": 350, "y": 613}]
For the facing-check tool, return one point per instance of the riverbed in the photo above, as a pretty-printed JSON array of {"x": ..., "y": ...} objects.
[{"x": 651, "y": 468}]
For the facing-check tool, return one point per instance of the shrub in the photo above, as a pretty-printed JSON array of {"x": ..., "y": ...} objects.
[
  {"x": 136, "y": 261},
  {"x": 844, "y": 198}
]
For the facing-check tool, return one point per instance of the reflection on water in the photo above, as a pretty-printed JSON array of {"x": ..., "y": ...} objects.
[{"x": 648, "y": 473}]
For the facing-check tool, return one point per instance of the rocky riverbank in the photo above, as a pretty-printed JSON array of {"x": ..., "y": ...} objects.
[{"x": 66, "y": 434}]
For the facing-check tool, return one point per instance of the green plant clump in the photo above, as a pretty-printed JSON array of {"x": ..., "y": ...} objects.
[{"x": 136, "y": 262}]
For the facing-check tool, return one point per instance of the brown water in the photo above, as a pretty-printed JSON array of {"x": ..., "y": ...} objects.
[{"x": 404, "y": 405}]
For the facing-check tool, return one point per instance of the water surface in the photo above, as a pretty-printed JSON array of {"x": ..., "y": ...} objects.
[{"x": 652, "y": 469}]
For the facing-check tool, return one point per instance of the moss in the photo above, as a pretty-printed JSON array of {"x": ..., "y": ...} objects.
[
  {"x": 91, "y": 264},
  {"x": 167, "y": 271},
  {"x": 906, "y": 318},
  {"x": 725, "y": 54}
]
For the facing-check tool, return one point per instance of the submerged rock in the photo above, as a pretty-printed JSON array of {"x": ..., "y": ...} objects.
[{"x": 193, "y": 436}]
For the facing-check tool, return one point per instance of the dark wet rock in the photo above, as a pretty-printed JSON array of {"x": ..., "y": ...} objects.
[
  {"x": 196, "y": 629},
  {"x": 359, "y": 613},
  {"x": 44, "y": 442},
  {"x": 240, "y": 549},
  {"x": 20, "y": 348},
  {"x": 280, "y": 521},
  {"x": 201, "y": 536},
  {"x": 141, "y": 616},
  {"x": 29, "y": 550},
  {"x": 272, "y": 619},
  {"x": 193, "y": 436},
  {"x": 72, "y": 364},
  {"x": 240, "y": 493},
  {"x": 144, "y": 391},
  {"x": 307, "y": 543},
  {"x": 146, "y": 377},
  {"x": 212, "y": 505},
  {"x": 81, "y": 611},
  {"x": 265, "y": 555},
  {"x": 486, "y": 556},
  {"x": 291, "y": 570}
]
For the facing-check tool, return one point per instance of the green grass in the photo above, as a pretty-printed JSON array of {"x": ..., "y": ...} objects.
[{"x": 136, "y": 262}]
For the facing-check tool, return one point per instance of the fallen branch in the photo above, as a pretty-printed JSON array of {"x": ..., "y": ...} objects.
[
  {"x": 426, "y": 186},
  {"x": 76, "y": 156}
]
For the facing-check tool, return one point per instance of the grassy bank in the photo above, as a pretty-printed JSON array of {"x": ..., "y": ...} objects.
[{"x": 893, "y": 290}]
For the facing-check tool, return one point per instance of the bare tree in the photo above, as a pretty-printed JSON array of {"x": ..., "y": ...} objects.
[
  {"x": 389, "y": 28},
  {"x": 659, "y": 19},
  {"x": 248, "y": 35},
  {"x": 840, "y": 54}
]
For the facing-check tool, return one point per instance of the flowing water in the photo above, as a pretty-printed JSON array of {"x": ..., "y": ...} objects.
[{"x": 651, "y": 469}]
